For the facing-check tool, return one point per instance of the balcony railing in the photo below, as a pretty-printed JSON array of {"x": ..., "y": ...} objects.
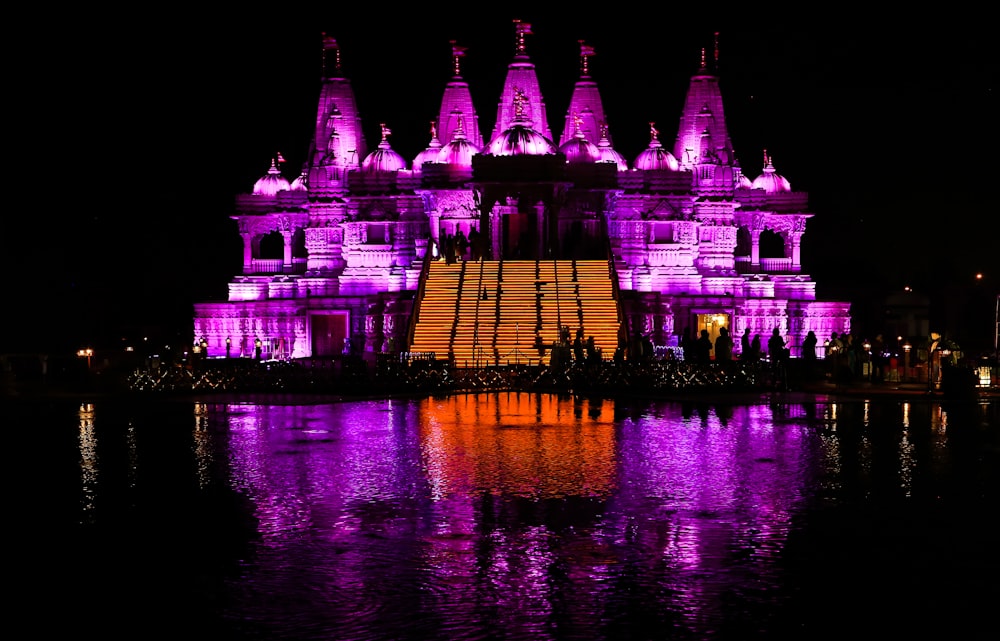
[
  {"x": 767, "y": 265},
  {"x": 276, "y": 266}
]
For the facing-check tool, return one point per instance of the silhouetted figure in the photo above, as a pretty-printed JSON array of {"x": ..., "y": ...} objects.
[
  {"x": 703, "y": 348},
  {"x": 878, "y": 359},
  {"x": 809, "y": 355},
  {"x": 578, "y": 346},
  {"x": 724, "y": 346},
  {"x": 745, "y": 344}
]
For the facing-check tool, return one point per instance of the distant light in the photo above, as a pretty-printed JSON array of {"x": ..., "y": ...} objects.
[
  {"x": 907, "y": 289},
  {"x": 979, "y": 276}
]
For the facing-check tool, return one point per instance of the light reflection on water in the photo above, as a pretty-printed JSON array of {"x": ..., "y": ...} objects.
[{"x": 533, "y": 516}]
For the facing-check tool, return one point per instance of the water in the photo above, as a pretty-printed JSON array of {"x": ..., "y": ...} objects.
[{"x": 513, "y": 516}]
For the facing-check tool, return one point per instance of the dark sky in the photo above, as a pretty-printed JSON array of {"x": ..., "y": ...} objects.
[{"x": 144, "y": 134}]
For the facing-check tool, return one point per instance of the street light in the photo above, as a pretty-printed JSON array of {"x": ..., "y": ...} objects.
[
  {"x": 229, "y": 345},
  {"x": 257, "y": 347},
  {"x": 86, "y": 353},
  {"x": 906, "y": 359}
]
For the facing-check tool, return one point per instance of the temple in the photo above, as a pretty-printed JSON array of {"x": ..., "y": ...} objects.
[{"x": 362, "y": 250}]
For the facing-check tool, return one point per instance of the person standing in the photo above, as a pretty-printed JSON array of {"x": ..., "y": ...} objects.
[
  {"x": 878, "y": 359},
  {"x": 776, "y": 346},
  {"x": 745, "y": 344},
  {"x": 834, "y": 348},
  {"x": 724, "y": 345},
  {"x": 809, "y": 355},
  {"x": 703, "y": 348}
]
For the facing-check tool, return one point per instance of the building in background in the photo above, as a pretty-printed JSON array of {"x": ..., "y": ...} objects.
[{"x": 333, "y": 254}]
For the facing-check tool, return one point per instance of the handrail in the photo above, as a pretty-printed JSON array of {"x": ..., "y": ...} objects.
[
  {"x": 419, "y": 297},
  {"x": 624, "y": 335},
  {"x": 476, "y": 349},
  {"x": 458, "y": 310}
]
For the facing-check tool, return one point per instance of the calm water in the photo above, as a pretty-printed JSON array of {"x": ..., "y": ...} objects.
[{"x": 517, "y": 516}]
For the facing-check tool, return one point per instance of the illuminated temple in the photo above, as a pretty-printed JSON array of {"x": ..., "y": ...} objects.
[{"x": 360, "y": 251}]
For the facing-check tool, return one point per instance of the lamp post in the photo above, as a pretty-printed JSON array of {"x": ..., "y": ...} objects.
[
  {"x": 204, "y": 347},
  {"x": 229, "y": 346},
  {"x": 257, "y": 347},
  {"x": 906, "y": 360},
  {"x": 868, "y": 359},
  {"x": 86, "y": 353}
]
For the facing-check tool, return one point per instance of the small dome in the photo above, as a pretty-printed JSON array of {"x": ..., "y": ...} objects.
[
  {"x": 459, "y": 151},
  {"x": 301, "y": 183},
  {"x": 771, "y": 181},
  {"x": 384, "y": 158},
  {"x": 655, "y": 156},
  {"x": 271, "y": 183},
  {"x": 742, "y": 180},
  {"x": 430, "y": 154},
  {"x": 578, "y": 149},
  {"x": 607, "y": 153}
]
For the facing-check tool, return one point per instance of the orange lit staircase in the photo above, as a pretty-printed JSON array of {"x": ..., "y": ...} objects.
[{"x": 510, "y": 312}]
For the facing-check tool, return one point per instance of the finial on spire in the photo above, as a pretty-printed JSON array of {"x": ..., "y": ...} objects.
[
  {"x": 653, "y": 132},
  {"x": 434, "y": 129},
  {"x": 386, "y": 132},
  {"x": 716, "y": 48},
  {"x": 456, "y": 53},
  {"x": 281, "y": 158},
  {"x": 521, "y": 29},
  {"x": 330, "y": 44},
  {"x": 585, "y": 52},
  {"x": 767, "y": 159},
  {"x": 703, "y": 59}
]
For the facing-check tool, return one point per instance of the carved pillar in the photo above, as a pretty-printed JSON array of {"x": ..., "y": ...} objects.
[
  {"x": 794, "y": 249},
  {"x": 286, "y": 262},
  {"x": 755, "y": 250},
  {"x": 248, "y": 251}
]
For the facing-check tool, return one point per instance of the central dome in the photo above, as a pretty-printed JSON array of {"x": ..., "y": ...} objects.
[{"x": 520, "y": 139}]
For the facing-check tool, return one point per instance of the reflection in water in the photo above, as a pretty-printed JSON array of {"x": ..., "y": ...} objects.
[
  {"x": 508, "y": 510},
  {"x": 533, "y": 516},
  {"x": 88, "y": 459}
]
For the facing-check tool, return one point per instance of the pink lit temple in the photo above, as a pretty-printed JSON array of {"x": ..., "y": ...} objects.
[{"x": 338, "y": 256}]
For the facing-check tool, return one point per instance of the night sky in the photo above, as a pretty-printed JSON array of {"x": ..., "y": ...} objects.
[{"x": 144, "y": 134}]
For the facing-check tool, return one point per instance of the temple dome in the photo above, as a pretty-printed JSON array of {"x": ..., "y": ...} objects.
[
  {"x": 430, "y": 154},
  {"x": 580, "y": 150},
  {"x": 459, "y": 151},
  {"x": 607, "y": 153},
  {"x": 771, "y": 181},
  {"x": 520, "y": 140},
  {"x": 301, "y": 183},
  {"x": 384, "y": 158},
  {"x": 271, "y": 183},
  {"x": 654, "y": 156}
]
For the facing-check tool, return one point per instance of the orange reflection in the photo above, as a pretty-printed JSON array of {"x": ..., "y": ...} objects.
[{"x": 525, "y": 444}]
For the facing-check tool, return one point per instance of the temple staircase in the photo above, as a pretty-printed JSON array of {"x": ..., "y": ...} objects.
[{"x": 491, "y": 312}]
